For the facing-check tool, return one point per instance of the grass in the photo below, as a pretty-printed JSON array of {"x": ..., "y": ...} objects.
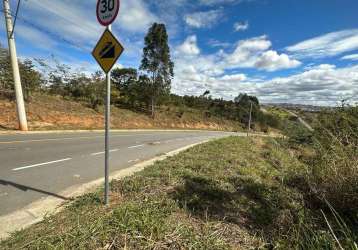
[
  {"x": 46, "y": 112},
  {"x": 232, "y": 193}
]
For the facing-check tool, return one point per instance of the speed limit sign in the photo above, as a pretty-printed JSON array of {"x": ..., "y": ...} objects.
[{"x": 107, "y": 11}]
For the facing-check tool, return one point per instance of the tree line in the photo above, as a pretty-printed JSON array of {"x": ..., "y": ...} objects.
[{"x": 142, "y": 90}]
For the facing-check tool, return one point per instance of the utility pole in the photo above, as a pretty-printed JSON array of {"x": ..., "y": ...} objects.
[
  {"x": 107, "y": 128},
  {"x": 20, "y": 104},
  {"x": 249, "y": 129}
]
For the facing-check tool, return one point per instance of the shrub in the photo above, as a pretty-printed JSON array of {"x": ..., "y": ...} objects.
[{"x": 334, "y": 169}]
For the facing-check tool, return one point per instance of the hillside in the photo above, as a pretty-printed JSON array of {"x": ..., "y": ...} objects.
[{"x": 46, "y": 112}]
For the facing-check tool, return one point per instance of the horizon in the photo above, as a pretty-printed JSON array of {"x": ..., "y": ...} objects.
[{"x": 281, "y": 52}]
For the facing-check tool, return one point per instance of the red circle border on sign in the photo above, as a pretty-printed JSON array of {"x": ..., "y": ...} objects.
[{"x": 115, "y": 15}]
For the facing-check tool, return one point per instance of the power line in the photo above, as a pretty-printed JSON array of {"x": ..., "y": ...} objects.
[
  {"x": 49, "y": 33},
  {"x": 17, "y": 12}
]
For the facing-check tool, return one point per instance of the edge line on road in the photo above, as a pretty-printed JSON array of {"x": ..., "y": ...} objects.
[{"x": 41, "y": 164}]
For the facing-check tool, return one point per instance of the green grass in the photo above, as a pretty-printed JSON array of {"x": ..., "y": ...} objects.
[{"x": 233, "y": 193}]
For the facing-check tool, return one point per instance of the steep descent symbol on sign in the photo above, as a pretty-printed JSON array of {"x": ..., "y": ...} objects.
[{"x": 108, "y": 51}]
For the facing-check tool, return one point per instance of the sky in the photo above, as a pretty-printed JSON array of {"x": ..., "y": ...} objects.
[{"x": 283, "y": 51}]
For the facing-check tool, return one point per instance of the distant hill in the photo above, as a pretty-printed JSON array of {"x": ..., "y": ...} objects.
[{"x": 302, "y": 107}]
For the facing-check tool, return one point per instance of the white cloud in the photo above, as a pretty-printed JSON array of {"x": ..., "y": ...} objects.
[
  {"x": 353, "y": 57},
  {"x": 74, "y": 22},
  {"x": 204, "y": 19},
  {"x": 216, "y": 2},
  {"x": 234, "y": 78},
  {"x": 321, "y": 85},
  {"x": 216, "y": 43},
  {"x": 198, "y": 72},
  {"x": 195, "y": 72},
  {"x": 330, "y": 44},
  {"x": 246, "y": 52},
  {"x": 189, "y": 47},
  {"x": 272, "y": 61},
  {"x": 135, "y": 16},
  {"x": 241, "y": 26}
]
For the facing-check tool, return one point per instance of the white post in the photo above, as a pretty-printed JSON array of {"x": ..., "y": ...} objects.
[
  {"x": 20, "y": 104},
  {"x": 107, "y": 128}
]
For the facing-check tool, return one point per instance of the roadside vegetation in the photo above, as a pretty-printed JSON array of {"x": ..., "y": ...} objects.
[
  {"x": 232, "y": 193},
  {"x": 295, "y": 192},
  {"x": 145, "y": 91}
]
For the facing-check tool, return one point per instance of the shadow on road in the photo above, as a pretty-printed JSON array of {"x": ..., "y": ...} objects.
[{"x": 26, "y": 188}]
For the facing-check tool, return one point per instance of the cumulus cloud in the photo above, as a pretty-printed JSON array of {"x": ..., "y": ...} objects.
[
  {"x": 330, "y": 44},
  {"x": 189, "y": 47},
  {"x": 241, "y": 26},
  {"x": 246, "y": 52},
  {"x": 272, "y": 61},
  {"x": 198, "y": 72},
  {"x": 321, "y": 85},
  {"x": 203, "y": 19}
]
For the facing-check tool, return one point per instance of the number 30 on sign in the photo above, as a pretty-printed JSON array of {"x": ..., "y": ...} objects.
[{"x": 107, "y": 11}]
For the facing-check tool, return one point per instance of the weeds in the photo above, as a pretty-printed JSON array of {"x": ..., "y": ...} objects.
[{"x": 233, "y": 193}]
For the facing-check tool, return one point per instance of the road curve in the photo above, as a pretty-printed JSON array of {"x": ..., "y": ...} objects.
[{"x": 36, "y": 166}]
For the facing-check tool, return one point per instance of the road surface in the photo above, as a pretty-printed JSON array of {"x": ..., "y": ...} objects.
[{"x": 40, "y": 165}]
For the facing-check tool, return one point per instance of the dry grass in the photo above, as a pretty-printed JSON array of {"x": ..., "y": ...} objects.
[
  {"x": 51, "y": 113},
  {"x": 226, "y": 194}
]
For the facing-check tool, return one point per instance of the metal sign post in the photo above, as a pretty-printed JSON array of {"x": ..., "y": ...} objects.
[
  {"x": 107, "y": 128},
  {"x": 106, "y": 53}
]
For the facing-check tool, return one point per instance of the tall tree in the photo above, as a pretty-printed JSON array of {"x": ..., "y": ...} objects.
[
  {"x": 5, "y": 70},
  {"x": 157, "y": 63}
]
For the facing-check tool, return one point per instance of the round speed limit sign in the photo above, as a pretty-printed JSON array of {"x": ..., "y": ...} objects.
[{"x": 107, "y": 11}]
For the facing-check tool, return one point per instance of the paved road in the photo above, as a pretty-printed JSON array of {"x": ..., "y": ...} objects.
[{"x": 38, "y": 165}]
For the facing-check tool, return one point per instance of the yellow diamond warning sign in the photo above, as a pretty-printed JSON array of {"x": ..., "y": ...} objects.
[{"x": 107, "y": 51}]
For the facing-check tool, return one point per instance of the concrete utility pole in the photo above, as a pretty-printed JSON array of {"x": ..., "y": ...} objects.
[
  {"x": 249, "y": 129},
  {"x": 20, "y": 104},
  {"x": 108, "y": 127}
]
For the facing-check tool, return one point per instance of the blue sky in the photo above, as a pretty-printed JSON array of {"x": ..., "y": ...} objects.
[{"x": 298, "y": 51}]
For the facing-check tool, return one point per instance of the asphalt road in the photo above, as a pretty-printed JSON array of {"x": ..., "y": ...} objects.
[{"x": 40, "y": 165}]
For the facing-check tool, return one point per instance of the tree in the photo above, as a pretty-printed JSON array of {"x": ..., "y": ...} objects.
[
  {"x": 96, "y": 90},
  {"x": 157, "y": 63},
  {"x": 121, "y": 77},
  {"x": 124, "y": 81},
  {"x": 5, "y": 71},
  {"x": 243, "y": 103},
  {"x": 31, "y": 79}
]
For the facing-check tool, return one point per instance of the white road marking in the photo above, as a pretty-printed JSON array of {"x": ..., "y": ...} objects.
[
  {"x": 136, "y": 146},
  {"x": 101, "y": 153},
  {"x": 41, "y": 164}
]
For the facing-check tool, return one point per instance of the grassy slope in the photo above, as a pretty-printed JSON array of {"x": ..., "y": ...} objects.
[
  {"x": 49, "y": 112},
  {"x": 226, "y": 194}
]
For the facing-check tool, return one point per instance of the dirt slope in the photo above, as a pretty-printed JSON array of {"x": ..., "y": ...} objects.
[{"x": 50, "y": 113}]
